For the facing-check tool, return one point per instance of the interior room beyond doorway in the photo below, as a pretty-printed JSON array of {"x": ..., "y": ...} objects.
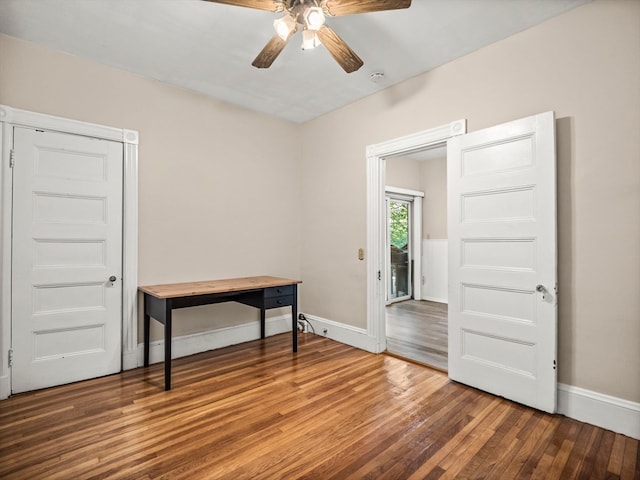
[{"x": 416, "y": 327}]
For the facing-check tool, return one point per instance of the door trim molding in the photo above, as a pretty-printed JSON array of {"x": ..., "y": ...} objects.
[
  {"x": 12, "y": 117},
  {"x": 376, "y": 155},
  {"x": 403, "y": 192}
]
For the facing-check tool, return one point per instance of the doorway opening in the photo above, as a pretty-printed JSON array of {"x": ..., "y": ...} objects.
[
  {"x": 377, "y": 156},
  {"x": 416, "y": 305},
  {"x": 502, "y": 261}
]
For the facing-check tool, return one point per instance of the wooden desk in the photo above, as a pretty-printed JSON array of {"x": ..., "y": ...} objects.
[{"x": 260, "y": 292}]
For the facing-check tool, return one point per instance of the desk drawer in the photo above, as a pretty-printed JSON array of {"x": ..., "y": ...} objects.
[
  {"x": 274, "y": 302},
  {"x": 278, "y": 291}
]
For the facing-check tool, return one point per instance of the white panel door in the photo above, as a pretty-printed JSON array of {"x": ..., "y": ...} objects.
[
  {"x": 502, "y": 260},
  {"x": 67, "y": 244}
]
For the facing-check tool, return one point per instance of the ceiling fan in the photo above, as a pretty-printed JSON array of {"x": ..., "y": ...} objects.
[{"x": 309, "y": 17}]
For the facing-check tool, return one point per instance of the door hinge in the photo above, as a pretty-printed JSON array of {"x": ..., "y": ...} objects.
[
  {"x": 379, "y": 275},
  {"x": 12, "y": 158},
  {"x": 10, "y": 357}
]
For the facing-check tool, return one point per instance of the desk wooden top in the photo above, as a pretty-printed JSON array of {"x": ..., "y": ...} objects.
[{"x": 189, "y": 289}]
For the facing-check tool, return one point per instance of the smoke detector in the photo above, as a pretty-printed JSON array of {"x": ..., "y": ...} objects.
[{"x": 376, "y": 77}]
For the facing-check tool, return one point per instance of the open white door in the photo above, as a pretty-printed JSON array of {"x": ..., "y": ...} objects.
[
  {"x": 503, "y": 261},
  {"x": 66, "y": 259}
]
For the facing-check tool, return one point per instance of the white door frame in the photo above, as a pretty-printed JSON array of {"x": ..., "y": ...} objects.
[
  {"x": 10, "y": 117},
  {"x": 376, "y": 229}
]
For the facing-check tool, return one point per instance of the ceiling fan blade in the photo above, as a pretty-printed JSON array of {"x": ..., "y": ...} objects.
[
  {"x": 339, "y": 50},
  {"x": 271, "y": 51},
  {"x": 348, "y": 7},
  {"x": 269, "y": 5}
]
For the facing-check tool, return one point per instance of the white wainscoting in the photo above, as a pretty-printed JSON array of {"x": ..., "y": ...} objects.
[{"x": 435, "y": 270}]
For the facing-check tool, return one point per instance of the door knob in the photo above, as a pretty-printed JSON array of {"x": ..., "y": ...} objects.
[
  {"x": 112, "y": 278},
  {"x": 543, "y": 290}
]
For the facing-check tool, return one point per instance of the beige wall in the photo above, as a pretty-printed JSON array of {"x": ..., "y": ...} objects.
[
  {"x": 218, "y": 185},
  {"x": 226, "y": 192},
  {"x": 403, "y": 172},
  {"x": 433, "y": 175},
  {"x": 584, "y": 65}
]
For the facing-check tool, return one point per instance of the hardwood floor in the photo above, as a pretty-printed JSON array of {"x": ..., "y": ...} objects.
[
  {"x": 258, "y": 411},
  {"x": 417, "y": 330}
]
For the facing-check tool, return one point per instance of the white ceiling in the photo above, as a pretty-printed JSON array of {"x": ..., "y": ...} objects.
[{"x": 208, "y": 47}]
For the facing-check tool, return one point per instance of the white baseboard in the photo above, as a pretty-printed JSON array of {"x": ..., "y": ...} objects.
[
  {"x": 612, "y": 413},
  {"x": 5, "y": 387},
  {"x": 354, "y": 336},
  {"x": 130, "y": 359},
  {"x": 605, "y": 411},
  {"x": 435, "y": 299},
  {"x": 190, "y": 344},
  {"x": 615, "y": 414},
  {"x": 210, "y": 340}
]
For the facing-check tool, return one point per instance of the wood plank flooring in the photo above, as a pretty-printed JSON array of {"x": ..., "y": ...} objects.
[
  {"x": 258, "y": 411},
  {"x": 417, "y": 330}
]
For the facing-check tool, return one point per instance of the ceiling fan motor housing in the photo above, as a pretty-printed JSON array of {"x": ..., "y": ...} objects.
[{"x": 307, "y": 13}]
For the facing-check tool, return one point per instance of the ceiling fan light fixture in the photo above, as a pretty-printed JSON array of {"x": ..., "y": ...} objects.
[
  {"x": 309, "y": 39},
  {"x": 309, "y": 17},
  {"x": 314, "y": 18},
  {"x": 284, "y": 26}
]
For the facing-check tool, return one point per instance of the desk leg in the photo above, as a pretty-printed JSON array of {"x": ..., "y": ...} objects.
[
  {"x": 146, "y": 325},
  {"x": 262, "y": 323},
  {"x": 167, "y": 346},
  {"x": 294, "y": 317}
]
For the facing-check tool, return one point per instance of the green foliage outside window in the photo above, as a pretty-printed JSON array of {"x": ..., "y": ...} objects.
[{"x": 398, "y": 224}]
